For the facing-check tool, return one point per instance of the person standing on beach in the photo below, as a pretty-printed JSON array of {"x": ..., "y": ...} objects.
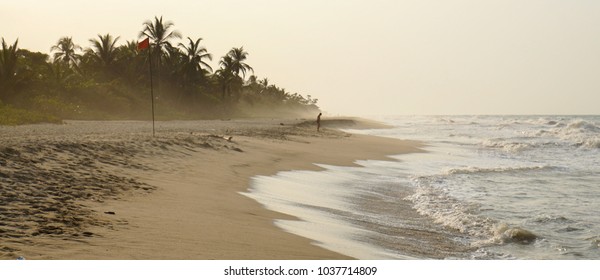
[{"x": 319, "y": 122}]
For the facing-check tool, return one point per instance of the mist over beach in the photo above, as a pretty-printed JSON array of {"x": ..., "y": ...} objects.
[{"x": 306, "y": 130}]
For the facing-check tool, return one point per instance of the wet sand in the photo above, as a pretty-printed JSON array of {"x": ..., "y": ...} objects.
[{"x": 109, "y": 190}]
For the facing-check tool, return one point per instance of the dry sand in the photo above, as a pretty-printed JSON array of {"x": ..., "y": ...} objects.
[{"x": 108, "y": 190}]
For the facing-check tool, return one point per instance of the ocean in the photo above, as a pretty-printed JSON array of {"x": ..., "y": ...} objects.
[{"x": 487, "y": 187}]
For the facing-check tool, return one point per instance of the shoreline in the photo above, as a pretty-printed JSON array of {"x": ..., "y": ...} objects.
[{"x": 197, "y": 209}]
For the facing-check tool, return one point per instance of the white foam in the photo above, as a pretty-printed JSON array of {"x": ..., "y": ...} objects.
[
  {"x": 501, "y": 169},
  {"x": 317, "y": 199},
  {"x": 446, "y": 210}
]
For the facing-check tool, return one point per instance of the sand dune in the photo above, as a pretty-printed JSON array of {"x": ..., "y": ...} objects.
[{"x": 108, "y": 190}]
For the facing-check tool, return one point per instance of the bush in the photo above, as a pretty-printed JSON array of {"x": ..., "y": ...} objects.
[{"x": 15, "y": 116}]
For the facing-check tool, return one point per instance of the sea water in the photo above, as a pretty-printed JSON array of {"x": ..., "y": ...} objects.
[{"x": 488, "y": 187}]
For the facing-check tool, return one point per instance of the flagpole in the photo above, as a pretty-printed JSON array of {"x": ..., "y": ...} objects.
[{"x": 151, "y": 86}]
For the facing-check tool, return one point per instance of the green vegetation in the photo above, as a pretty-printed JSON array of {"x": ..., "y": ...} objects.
[
  {"x": 13, "y": 116},
  {"x": 110, "y": 81}
]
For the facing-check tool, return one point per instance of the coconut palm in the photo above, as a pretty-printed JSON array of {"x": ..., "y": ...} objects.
[
  {"x": 8, "y": 60},
  {"x": 226, "y": 63},
  {"x": 160, "y": 34},
  {"x": 195, "y": 54},
  {"x": 231, "y": 66},
  {"x": 225, "y": 75},
  {"x": 8, "y": 66},
  {"x": 65, "y": 51},
  {"x": 104, "y": 50},
  {"x": 187, "y": 63},
  {"x": 238, "y": 56}
]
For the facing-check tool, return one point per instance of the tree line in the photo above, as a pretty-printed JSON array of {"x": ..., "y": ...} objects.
[{"x": 111, "y": 81}]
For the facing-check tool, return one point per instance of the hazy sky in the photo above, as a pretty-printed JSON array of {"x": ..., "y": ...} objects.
[{"x": 370, "y": 56}]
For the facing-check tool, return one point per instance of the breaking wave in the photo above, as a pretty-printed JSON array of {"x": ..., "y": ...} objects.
[
  {"x": 465, "y": 217},
  {"x": 475, "y": 170},
  {"x": 511, "y": 179},
  {"x": 507, "y": 145},
  {"x": 548, "y": 134}
]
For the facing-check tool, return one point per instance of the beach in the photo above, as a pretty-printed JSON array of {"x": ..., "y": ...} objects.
[{"x": 109, "y": 190}]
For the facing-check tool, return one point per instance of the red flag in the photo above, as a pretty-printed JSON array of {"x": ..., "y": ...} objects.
[{"x": 144, "y": 44}]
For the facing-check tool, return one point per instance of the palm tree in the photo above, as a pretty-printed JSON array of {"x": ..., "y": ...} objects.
[
  {"x": 8, "y": 59},
  {"x": 238, "y": 55},
  {"x": 193, "y": 67},
  {"x": 225, "y": 75},
  {"x": 65, "y": 51},
  {"x": 195, "y": 54},
  {"x": 231, "y": 66},
  {"x": 160, "y": 33},
  {"x": 8, "y": 67},
  {"x": 104, "y": 50},
  {"x": 226, "y": 64}
]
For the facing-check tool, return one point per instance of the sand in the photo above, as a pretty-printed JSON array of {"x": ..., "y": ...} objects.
[{"x": 108, "y": 190}]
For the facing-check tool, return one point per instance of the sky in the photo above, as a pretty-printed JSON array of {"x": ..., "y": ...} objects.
[{"x": 368, "y": 57}]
